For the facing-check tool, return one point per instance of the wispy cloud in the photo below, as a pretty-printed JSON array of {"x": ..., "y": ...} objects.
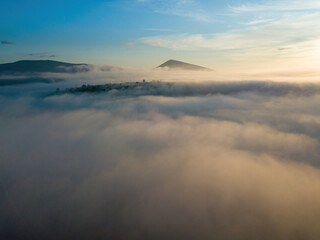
[
  {"x": 159, "y": 29},
  {"x": 260, "y": 39},
  {"x": 5, "y": 42},
  {"x": 258, "y": 21},
  {"x": 277, "y": 33},
  {"x": 41, "y": 55},
  {"x": 181, "y": 8},
  {"x": 284, "y": 5}
]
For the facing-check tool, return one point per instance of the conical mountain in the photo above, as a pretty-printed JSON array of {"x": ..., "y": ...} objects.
[{"x": 178, "y": 65}]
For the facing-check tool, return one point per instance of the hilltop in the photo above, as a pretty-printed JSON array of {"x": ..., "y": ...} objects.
[
  {"x": 40, "y": 66},
  {"x": 178, "y": 65}
]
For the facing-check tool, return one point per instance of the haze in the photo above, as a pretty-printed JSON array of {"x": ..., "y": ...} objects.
[{"x": 222, "y": 141}]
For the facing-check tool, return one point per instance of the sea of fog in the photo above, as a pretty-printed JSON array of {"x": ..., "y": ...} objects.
[{"x": 185, "y": 160}]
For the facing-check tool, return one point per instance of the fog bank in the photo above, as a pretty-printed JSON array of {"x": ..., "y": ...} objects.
[{"x": 231, "y": 165}]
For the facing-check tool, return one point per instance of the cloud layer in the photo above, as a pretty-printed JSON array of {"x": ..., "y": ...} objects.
[{"x": 242, "y": 165}]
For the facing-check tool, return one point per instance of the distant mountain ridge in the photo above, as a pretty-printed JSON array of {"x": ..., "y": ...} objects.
[
  {"x": 178, "y": 65},
  {"x": 41, "y": 66}
]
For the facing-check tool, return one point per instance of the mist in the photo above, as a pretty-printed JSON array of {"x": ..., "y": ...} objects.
[{"x": 201, "y": 159}]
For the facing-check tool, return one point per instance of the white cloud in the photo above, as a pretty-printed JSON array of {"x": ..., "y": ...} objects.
[
  {"x": 258, "y": 21},
  {"x": 182, "y": 8},
  {"x": 297, "y": 33},
  {"x": 83, "y": 165},
  {"x": 284, "y": 5},
  {"x": 159, "y": 29},
  {"x": 275, "y": 33}
]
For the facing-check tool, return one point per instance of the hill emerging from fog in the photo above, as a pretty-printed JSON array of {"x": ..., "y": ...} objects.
[
  {"x": 175, "y": 89},
  {"x": 178, "y": 65},
  {"x": 41, "y": 66}
]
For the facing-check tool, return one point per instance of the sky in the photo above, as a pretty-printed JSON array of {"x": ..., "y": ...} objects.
[
  {"x": 223, "y": 35},
  {"x": 226, "y": 154}
]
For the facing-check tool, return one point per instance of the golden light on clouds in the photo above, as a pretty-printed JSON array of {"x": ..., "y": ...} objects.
[{"x": 160, "y": 120}]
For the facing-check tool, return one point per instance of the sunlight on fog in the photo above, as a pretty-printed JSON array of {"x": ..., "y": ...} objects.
[{"x": 237, "y": 160}]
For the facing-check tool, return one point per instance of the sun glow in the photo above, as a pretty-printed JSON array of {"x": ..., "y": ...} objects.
[{"x": 317, "y": 52}]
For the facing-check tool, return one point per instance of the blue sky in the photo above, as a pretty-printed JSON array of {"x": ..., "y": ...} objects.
[{"x": 144, "y": 33}]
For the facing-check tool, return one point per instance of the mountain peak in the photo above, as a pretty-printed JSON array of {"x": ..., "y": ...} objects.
[{"x": 178, "y": 65}]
